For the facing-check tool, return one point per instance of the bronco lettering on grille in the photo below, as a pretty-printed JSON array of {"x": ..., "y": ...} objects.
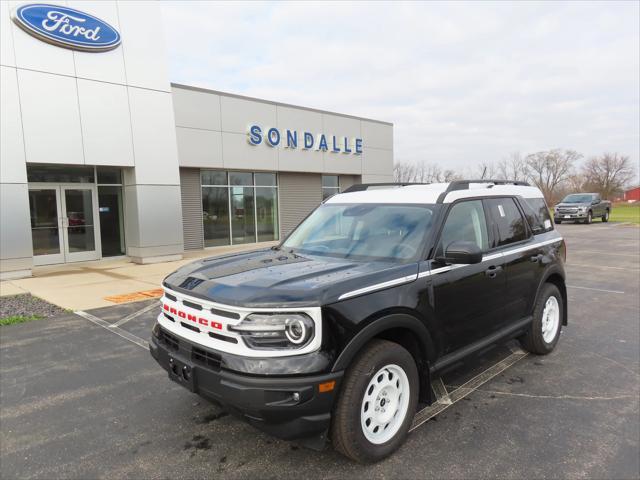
[{"x": 192, "y": 318}]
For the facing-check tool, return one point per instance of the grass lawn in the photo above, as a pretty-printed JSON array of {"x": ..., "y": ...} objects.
[
  {"x": 18, "y": 319},
  {"x": 626, "y": 212}
]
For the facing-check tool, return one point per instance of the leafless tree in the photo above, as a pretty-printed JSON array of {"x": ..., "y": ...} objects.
[
  {"x": 423, "y": 172},
  {"x": 549, "y": 170},
  {"x": 608, "y": 174},
  {"x": 404, "y": 172},
  {"x": 513, "y": 167},
  {"x": 484, "y": 171}
]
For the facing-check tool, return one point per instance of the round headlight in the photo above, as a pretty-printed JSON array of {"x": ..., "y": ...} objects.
[{"x": 296, "y": 331}]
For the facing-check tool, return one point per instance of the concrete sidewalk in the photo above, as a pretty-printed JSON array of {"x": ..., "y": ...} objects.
[{"x": 84, "y": 285}]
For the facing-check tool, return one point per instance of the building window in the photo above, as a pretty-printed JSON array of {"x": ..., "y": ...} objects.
[
  {"x": 330, "y": 186},
  {"x": 239, "y": 207}
]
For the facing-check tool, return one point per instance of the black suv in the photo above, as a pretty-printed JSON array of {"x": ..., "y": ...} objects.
[{"x": 337, "y": 332}]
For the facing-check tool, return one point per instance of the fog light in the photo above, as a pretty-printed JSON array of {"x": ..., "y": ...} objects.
[{"x": 296, "y": 396}]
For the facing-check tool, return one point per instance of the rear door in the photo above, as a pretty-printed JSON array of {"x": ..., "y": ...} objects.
[
  {"x": 467, "y": 298},
  {"x": 516, "y": 243}
]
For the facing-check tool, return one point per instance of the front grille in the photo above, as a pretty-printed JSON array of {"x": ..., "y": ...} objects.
[
  {"x": 224, "y": 338},
  {"x": 225, "y": 314},
  {"x": 169, "y": 340},
  {"x": 169, "y": 317},
  {"x": 195, "y": 306},
  {"x": 206, "y": 358},
  {"x": 170, "y": 297},
  {"x": 190, "y": 327}
]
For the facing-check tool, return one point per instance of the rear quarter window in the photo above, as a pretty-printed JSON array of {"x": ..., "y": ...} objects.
[{"x": 537, "y": 213}]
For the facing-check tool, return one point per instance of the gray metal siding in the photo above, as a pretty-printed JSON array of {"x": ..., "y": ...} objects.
[
  {"x": 345, "y": 181},
  {"x": 300, "y": 193},
  {"x": 191, "y": 193}
]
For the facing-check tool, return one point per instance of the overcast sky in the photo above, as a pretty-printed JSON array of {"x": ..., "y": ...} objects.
[{"x": 462, "y": 82}]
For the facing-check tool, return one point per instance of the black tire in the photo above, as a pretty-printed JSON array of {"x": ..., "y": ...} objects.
[
  {"x": 558, "y": 222},
  {"x": 605, "y": 217},
  {"x": 533, "y": 341},
  {"x": 589, "y": 218},
  {"x": 346, "y": 430}
]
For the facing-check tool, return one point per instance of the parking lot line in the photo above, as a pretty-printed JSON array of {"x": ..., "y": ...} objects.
[
  {"x": 596, "y": 289},
  {"x": 118, "y": 331},
  {"x": 466, "y": 389},
  {"x": 124, "y": 320}
]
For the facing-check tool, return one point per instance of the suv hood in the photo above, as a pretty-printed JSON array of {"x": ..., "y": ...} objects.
[
  {"x": 274, "y": 278},
  {"x": 567, "y": 205}
]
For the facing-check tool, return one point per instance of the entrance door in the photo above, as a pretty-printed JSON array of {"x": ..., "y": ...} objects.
[
  {"x": 46, "y": 225},
  {"x": 79, "y": 223},
  {"x": 63, "y": 223}
]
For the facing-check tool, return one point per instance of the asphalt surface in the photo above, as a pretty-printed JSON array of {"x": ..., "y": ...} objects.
[{"x": 81, "y": 400}]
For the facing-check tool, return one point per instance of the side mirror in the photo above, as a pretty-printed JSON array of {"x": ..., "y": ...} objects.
[
  {"x": 595, "y": 202},
  {"x": 462, "y": 252}
]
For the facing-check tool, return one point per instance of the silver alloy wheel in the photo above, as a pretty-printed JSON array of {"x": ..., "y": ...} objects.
[
  {"x": 550, "y": 319},
  {"x": 606, "y": 215},
  {"x": 385, "y": 404}
]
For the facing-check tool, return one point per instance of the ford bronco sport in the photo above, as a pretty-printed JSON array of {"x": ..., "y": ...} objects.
[{"x": 337, "y": 332}]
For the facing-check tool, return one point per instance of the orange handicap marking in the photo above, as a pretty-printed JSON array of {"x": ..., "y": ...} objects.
[{"x": 132, "y": 297}]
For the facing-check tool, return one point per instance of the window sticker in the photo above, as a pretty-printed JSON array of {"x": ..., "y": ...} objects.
[
  {"x": 501, "y": 210},
  {"x": 547, "y": 223}
]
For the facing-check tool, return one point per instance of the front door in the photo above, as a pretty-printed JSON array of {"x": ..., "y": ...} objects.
[
  {"x": 467, "y": 298},
  {"x": 63, "y": 223}
]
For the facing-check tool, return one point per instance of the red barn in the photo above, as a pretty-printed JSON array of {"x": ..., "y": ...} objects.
[{"x": 632, "y": 194}]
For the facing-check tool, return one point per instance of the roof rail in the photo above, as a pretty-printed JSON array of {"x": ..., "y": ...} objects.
[
  {"x": 464, "y": 185},
  {"x": 360, "y": 187}
]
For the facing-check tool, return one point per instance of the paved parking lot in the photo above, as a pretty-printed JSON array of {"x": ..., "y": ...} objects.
[{"x": 82, "y": 399}]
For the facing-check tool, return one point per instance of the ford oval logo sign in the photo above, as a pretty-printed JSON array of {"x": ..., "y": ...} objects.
[{"x": 66, "y": 27}]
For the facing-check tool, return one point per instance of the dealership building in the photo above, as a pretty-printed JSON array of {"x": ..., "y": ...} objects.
[{"x": 103, "y": 156}]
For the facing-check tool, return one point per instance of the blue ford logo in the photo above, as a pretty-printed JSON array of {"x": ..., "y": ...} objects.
[{"x": 66, "y": 27}]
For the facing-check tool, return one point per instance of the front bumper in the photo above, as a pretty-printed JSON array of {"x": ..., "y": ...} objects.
[
  {"x": 264, "y": 401},
  {"x": 569, "y": 216}
]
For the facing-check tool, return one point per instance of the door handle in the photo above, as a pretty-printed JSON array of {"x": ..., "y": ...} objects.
[
  {"x": 536, "y": 258},
  {"x": 492, "y": 271}
]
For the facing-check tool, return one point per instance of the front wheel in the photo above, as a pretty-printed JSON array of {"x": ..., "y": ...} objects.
[
  {"x": 544, "y": 332},
  {"x": 605, "y": 217},
  {"x": 558, "y": 222},
  {"x": 589, "y": 218},
  {"x": 377, "y": 402}
]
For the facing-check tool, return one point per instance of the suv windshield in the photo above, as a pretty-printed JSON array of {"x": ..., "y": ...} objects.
[
  {"x": 578, "y": 198},
  {"x": 364, "y": 231}
]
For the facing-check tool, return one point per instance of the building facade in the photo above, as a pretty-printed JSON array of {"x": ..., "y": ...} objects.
[{"x": 102, "y": 156}]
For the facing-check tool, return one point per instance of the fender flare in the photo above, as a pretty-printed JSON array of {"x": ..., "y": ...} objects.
[
  {"x": 387, "y": 322},
  {"x": 553, "y": 269}
]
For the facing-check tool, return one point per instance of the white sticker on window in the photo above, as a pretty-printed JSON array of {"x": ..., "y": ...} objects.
[
  {"x": 501, "y": 210},
  {"x": 547, "y": 223}
]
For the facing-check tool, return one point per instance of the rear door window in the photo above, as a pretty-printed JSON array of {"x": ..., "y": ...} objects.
[
  {"x": 537, "y": 213},
  {"x": 511, "y": 227}
]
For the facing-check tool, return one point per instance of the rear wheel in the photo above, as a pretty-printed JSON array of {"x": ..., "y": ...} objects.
[
  {"x": 377, "y": 402},
  {"x": 544, "y": 332},
  {"x": 605, "y": 217}
]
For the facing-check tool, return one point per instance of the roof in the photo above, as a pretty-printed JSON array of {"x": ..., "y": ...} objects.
[{"x": 428, "y": 194}]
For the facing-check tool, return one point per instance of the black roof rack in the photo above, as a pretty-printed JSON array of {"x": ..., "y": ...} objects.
[
  {"x": 360, "y": 187},
  {"x": 464, "y": 185}
]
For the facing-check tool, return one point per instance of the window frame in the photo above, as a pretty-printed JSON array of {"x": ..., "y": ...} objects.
[
  {"x": 323, "y": 188},
  {"x": 229, "y": 186}
]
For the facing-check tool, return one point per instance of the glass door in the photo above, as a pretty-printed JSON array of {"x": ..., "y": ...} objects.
[
  {"x": 80, "y": 231},
  {"x": 46, "y": 225},
  {"x": 63, "y": 227}
]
